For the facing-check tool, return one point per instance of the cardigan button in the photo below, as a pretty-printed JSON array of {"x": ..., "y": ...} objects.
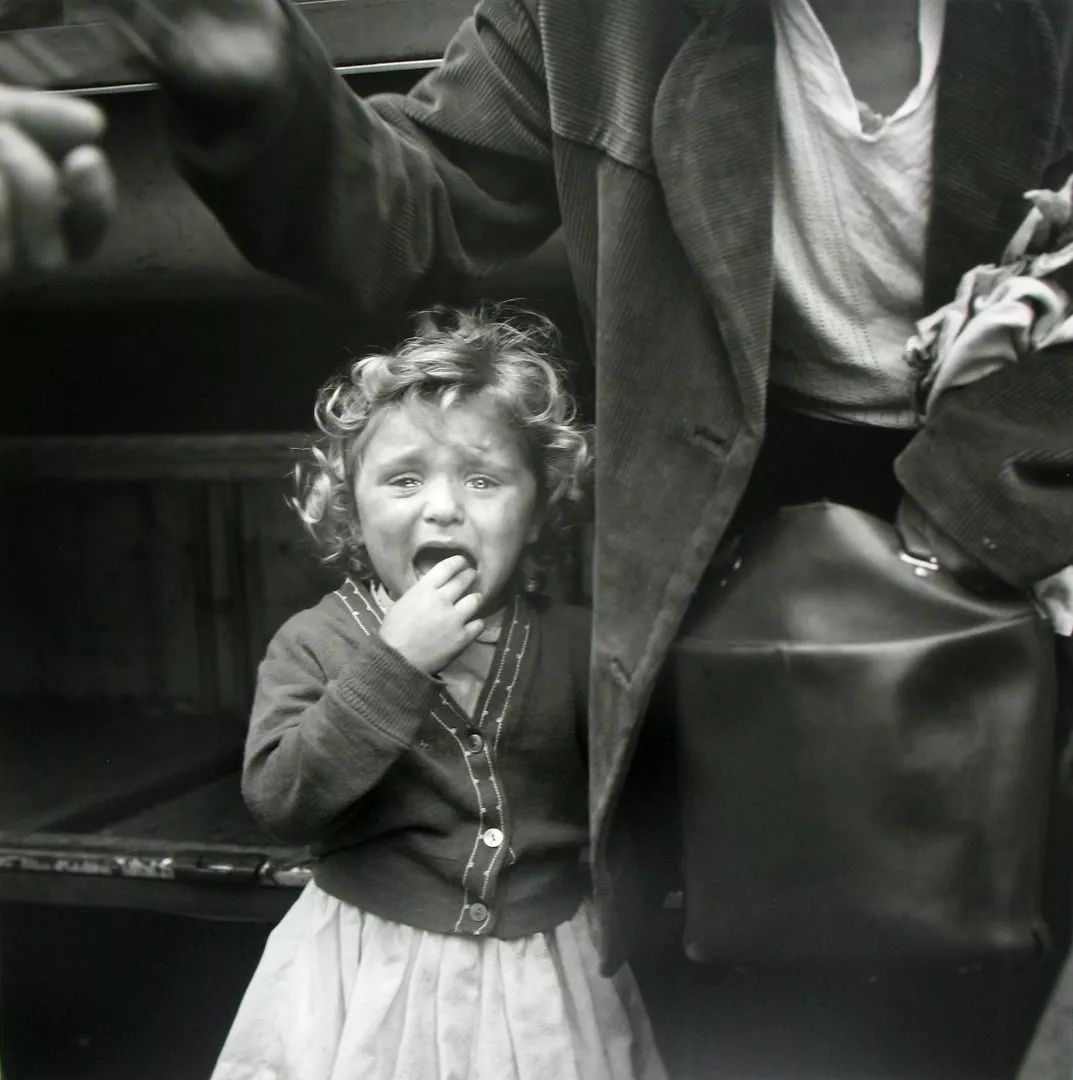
[
  {"x": 478, "y": 912},
  {"x": 474, "y": 742},
  {"x": 492, "y": 838}
]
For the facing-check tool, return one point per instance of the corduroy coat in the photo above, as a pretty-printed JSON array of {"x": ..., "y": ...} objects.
[{"x": 646, "y": 129}]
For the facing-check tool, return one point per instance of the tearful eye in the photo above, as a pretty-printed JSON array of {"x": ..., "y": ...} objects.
[{"x": 404, "y": 482}]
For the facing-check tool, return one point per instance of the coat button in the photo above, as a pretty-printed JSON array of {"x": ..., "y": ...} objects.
[
  {"x": 492, "y": 837},
  {"x": 478, "y": 912},
  {"x": 474, "y": 742}
]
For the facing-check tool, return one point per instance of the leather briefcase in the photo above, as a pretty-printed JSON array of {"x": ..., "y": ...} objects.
[{"x": 865, "y": 753}]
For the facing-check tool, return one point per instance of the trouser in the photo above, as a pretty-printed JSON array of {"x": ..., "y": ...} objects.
[{"x": 837, "y": 1023}]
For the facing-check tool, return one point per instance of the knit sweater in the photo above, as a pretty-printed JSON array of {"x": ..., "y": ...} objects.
[{"x": 416, "y": 811}]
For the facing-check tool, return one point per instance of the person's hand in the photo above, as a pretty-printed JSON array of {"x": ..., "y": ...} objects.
[
  {"x": 57, "y": 192},
  {"x": 224, "y": 52},
  {"x": 434, "y": 620}
]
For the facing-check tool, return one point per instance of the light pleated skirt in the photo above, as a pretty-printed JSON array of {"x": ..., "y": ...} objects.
[{"x": 342, "y": 994}]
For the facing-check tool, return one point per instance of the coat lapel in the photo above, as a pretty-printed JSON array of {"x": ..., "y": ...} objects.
[
  {"x": 987, "y": 153},
  {"x": 714, "y": 145}
]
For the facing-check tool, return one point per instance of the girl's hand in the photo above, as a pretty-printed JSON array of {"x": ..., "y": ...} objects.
[
  {"x": 220, "y": 52},
  {"x": 433, "y": 621},
  {"x": 57, "y": 192}
]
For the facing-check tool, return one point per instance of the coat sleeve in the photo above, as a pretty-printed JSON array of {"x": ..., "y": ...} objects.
[
  {"x": 993, "y": 467},
  {"x": 383, "y": 201},
  {"x": 316, "y": 745}
]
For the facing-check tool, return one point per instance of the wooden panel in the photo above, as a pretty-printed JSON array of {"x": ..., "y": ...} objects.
[
  {"x": 81, "y": 767},
  {"x": 147, "y": 570},
  {"x": 212, "y": 812},
  {"x": 188, "y": 898},
  {"x": 268, "y": 865},
  {"x": 153, "y": 457}
]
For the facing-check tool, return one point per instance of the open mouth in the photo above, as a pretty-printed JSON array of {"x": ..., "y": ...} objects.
[{"x": 428, "y": 555}]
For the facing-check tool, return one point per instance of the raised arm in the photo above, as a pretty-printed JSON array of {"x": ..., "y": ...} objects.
[{"x": 373, "y": 201}]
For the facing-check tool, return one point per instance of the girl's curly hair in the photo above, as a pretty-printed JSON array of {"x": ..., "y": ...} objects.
[{"x": 494, "y": 354}]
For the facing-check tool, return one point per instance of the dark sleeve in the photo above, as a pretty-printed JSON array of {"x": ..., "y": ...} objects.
[
  {"x": 315, "y": 745},
  {"x": 372, "y": 202},
  {"x": 993, "y": 467}
]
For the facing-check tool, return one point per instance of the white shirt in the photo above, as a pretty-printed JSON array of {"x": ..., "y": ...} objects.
[{"x": 852, "y": 200}]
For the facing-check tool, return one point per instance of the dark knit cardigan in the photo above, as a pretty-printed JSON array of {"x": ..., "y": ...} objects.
[
  {"x": 647, "y": 131},
  {"x": 417, "y": 812}
]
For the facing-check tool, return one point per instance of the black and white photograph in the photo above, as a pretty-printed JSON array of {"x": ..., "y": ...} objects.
[{"x": 536, "y": 540}]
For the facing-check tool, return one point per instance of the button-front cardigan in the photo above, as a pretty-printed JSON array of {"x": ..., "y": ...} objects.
[{"x": 416, "y": 811}]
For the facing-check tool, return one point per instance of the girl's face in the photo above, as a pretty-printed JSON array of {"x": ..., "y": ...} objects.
[{"x": 437, "y": 482}]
